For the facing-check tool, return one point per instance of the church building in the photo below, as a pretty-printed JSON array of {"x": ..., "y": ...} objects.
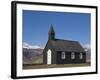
[{"x": 59, "y": 51}]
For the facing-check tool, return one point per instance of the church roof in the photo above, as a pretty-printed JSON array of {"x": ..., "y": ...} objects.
[{"x": 66, "y": 45}]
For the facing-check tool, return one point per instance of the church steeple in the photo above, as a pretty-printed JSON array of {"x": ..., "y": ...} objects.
[{"x": 51, "y": 33}]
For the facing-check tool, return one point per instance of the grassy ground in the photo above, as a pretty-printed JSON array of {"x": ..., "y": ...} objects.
[{"x": 40, "y": 66}]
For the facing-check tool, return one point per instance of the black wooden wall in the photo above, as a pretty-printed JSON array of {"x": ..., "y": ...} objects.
[
  {"x": 68, "y": 59},
  {"x": 56, "y": 56}
]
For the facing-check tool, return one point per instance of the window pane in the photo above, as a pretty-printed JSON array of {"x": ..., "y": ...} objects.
[
  {"x": 63, "y": 56},
  {"x": 81, "y": 55},
  {"x": 72, "y": 55}
]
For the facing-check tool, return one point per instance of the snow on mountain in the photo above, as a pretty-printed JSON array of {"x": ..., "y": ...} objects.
[
  {"x": 87, "y": 48},
  {"x": 31, "y": 53},
  {"x": 28, "y": 46}
]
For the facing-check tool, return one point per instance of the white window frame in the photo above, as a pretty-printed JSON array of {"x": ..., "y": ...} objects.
[
  {"x": 63, "y": 55},
  {"x": 81, "y": 55},
  {"x": 73, "y": 55}
]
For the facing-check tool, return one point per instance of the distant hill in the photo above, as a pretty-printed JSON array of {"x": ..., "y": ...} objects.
[
  {"x": 88, "y": 53},
  {"x": 30, "y": 56}
]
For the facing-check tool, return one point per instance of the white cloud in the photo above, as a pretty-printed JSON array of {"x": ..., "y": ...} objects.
[
  {"x": 26, "y": 45},
  {"x": 87, "y": 46}
]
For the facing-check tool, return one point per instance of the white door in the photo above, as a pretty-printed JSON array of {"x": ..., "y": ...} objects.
[{"x": 49, "y": 56}]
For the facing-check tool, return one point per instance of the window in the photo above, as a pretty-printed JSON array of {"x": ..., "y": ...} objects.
[
  {"x": 81, "y": 56},
  {"x": 72, "y": 55},
  {"x": 63, "y": 55}
]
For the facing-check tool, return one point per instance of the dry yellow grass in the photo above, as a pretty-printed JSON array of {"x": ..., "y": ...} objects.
[{"x": 40, "y": 66}]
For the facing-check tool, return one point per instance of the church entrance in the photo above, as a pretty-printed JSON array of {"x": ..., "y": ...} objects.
[{"x": 49, "y": 56}]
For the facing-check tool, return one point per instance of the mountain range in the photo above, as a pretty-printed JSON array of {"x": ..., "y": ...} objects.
[
  {"x": 30, "y": 56},
  {"x": 33, "y": 54}
]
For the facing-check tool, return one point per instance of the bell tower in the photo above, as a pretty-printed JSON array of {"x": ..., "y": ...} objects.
[{"x": 51, "y": 33}]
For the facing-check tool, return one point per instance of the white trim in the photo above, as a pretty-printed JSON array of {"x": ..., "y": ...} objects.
[
  {"x": 63, "y": 55},
  {"x": 49, "y": 56},
  {"x": 21, "y": 72},
  {"x": 81, "y": 55},
  {"x": 72, "y": 55}
]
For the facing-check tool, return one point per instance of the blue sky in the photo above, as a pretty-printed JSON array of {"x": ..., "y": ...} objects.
[{"x": 68, "y": 26}]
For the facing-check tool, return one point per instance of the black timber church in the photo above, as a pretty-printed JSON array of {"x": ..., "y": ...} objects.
[{"x": 59, "y": 51}]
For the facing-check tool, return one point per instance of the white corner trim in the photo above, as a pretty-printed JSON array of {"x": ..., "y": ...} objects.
[{"x": 49, "y": 56}]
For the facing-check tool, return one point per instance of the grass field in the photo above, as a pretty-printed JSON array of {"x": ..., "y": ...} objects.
[{"x": 40, "y": 66}]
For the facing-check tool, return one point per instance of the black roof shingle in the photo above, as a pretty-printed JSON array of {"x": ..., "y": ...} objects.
[{"x": 66, "y": 45}]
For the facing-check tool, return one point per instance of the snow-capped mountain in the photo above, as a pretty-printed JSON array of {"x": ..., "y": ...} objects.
[
  {"x": 28, "y": 46},
  {"x": 31, "y": 53},
  {"x": 87, "y": 48}
]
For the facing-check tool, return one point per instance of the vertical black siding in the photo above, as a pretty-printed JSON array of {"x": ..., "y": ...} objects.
[
  {"x": 68, "y": 59},
  {"x": 53, "y": 54},
  {"x": 56, "y": 56}
]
